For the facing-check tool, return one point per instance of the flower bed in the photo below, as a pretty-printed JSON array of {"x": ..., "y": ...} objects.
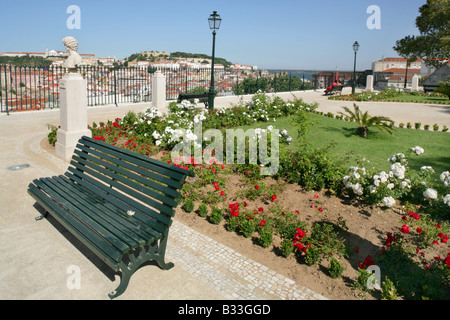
[{"x": 237, "y": 199}]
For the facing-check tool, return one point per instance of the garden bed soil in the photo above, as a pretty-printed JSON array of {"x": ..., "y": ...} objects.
[{"x": 367, "y": 230}]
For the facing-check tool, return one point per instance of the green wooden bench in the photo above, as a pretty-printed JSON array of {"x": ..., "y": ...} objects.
[
  {"x": 333, "y": 90},
  {"x": 202, "y": 97},
  {"x": 118, "y": 203}
]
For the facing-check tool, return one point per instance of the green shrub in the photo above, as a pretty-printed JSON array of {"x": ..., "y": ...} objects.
[
  {"x": 188, "y": 205},
  {"x": 216, "y": 215},
  {"x": 52, "y": 134},
  {"x": 202, "y": 210},
  {"x": 335, "y": 269},
  {"x": 246, "y": 228},
  {"x": 287, "y": 247},
  {"x": 232, "y": 223},
  {"x": 265, "y": 238},
  {"x": 389, "y": 292},
  {"x": 312, "y": 255}
]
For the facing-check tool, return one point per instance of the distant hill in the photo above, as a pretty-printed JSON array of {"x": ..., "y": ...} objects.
[
  {"x": 25, "y": 61},
  {"x": 175, "y": 56}
]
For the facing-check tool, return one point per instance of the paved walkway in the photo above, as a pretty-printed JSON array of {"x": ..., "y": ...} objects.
[{"x": 38, "y": 258}]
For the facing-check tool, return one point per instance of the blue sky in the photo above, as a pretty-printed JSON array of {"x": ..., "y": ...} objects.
[{"x": 284, "y": 34}]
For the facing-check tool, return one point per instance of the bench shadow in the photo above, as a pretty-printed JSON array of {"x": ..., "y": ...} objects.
[{"x": 101, "y": 266}]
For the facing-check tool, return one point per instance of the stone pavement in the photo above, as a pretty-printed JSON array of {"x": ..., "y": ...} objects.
[{"x": 38, "y": 257}]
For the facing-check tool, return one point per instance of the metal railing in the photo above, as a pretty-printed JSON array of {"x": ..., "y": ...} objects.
[{"x": 36, "y": 87}]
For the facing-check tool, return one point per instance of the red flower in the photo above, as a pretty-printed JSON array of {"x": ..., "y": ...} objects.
[
  {"x": 216, "y": 187},
  {"x": 222, "y": 193},
  {"x": 297, "y": 212},
  {"x": 390, "y": 239},
  {"x": 263, "y": 222},
  {"x": 419, "y": 230},
  {"x": 274, "y": 197},
  {"x": 320, "y": 209},
  {"x": 405, "y": 229},
  {"x": 357, "y": 250},
  {"x": 256, "y": 187},
  {"x": 260, "y": 209},
  {"x": 316, "y": 196},
  {"x": 367, "y": 262}
]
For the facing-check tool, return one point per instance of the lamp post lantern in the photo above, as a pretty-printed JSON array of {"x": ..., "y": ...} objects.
[
  {"x": 214, "y": 24},
  {"x": 355, "y": 49}
]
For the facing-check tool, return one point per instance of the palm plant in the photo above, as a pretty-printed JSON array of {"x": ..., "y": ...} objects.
[{"x": 364, "y": 121}]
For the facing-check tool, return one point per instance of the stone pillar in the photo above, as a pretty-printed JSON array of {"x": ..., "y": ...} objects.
[
  {"x": 415, "y": 83},
  {"x": 369, "y": 83},
  {"x": 73, "y": 114},
  {"x": 158, "y": 90}
]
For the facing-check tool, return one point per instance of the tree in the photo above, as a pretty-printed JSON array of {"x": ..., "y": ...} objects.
[
  {"x": 444, "y": 87},
  {"x": 433, "y": 43},
  {"x": 364, "y": 121}
]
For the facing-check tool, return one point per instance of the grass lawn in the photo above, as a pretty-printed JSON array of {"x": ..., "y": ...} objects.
[
  {"x": 377, "y": 147},
  {"x": 421, "y": 99}
]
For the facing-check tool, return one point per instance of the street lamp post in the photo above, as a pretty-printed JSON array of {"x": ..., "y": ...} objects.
[
  {"x": 355, "y": 49},
  {"x": 214, "y": 24}
]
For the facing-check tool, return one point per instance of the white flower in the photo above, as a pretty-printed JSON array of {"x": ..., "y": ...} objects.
[
  {"x": 398, "y": 170},
  {"x": 427, "y": 168},
  {"x": 388, "y": 201},
  {"x": 130, "y": 212},
  {"x": 158, "y": 142},
  {"x": 358, "y": 189},
  {"x": 372, "y": 189},
  {"x": 418, "y": 150},
  {"x": 156, "y": 135},
  {"x": 447, "y": 199},
  {"x": 390, "y": 186},
  {"x": 430, "y": 193},
  {"x": 405, "y": 184},
  {"x": 445, "y": 178}
]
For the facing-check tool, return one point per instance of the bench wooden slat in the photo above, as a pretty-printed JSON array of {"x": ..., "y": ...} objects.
[
  {"x": 99, "y": 215},
  {"x": 131, "y": 175},
  {"x": 159, "y": 222},
  {"x": 82, "y": 217},
  {"x": 149, "y": 225},
  {"x": 121, "y": 161},
  {"x": 170, "y": 170},
  {"x": 132, "y": 224},
  {"x": 113, "y": 180},
  {"x": 104, "y": 251}
]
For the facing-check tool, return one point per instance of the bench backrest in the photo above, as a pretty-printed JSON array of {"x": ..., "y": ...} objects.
[{"x": 130, "y": 181}]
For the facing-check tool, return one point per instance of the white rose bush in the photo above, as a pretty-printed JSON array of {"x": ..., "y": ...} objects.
[{"x": 399, "y": 183}]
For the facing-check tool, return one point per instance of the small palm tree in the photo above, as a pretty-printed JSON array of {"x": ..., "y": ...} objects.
[{"x": 364, "y": 120}]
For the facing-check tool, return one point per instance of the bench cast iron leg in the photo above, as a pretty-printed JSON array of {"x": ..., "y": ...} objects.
[{"x": 154, "y": 252}]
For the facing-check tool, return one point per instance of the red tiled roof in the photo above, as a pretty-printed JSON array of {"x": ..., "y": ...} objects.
[{"x": 401, "y": 70}]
